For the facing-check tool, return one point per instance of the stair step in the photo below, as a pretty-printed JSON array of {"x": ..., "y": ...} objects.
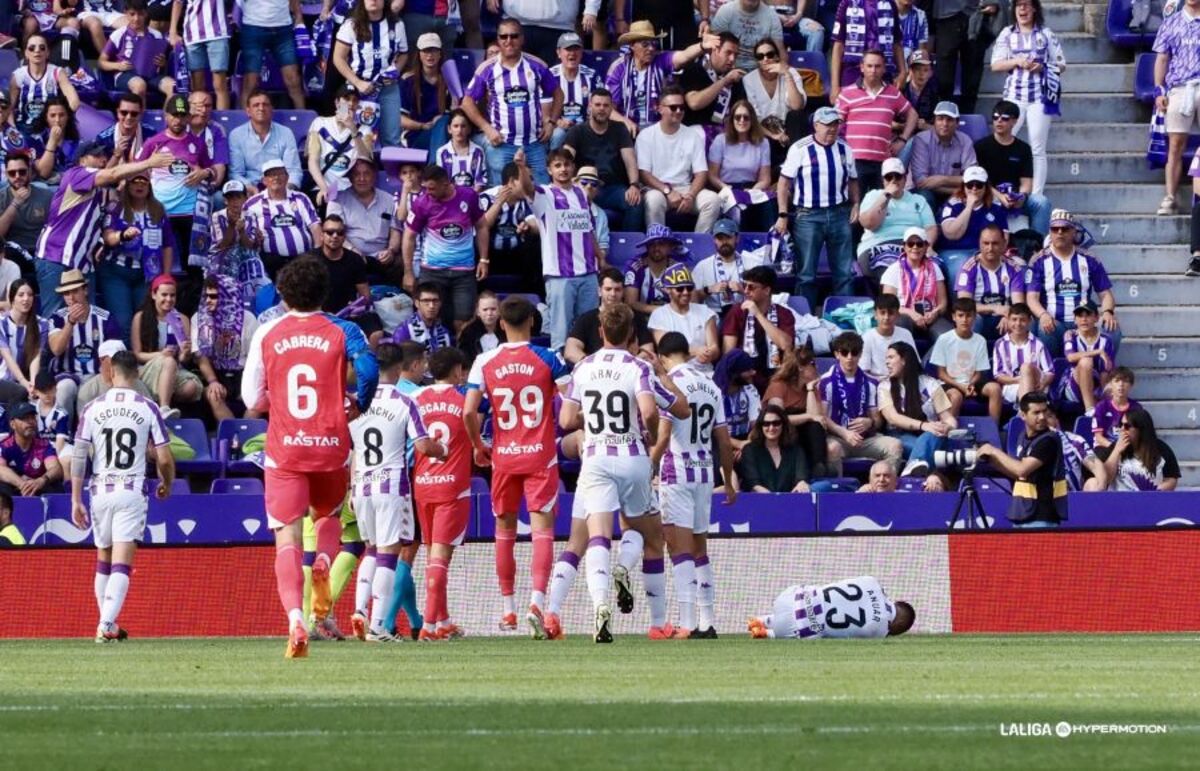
[
  {"x": 1185, "y": 442},
  {"x": 1189, "y": 474},
  {"x": 1100, "y": 168},
  {"x": 1141, "y": 258},
  {"x": 1104, "y": 199},
  {"x": 1083, "y": 48},
  {"x": 1161, "y": 384},
  {"x": 1173, "y": 414},
  {"x": 1106, "y": 107},
  {"x": 1078, "y": 79},
  {"x": 1159, "y": 321},
  {"x": 1160, "y": 353},
  {"x": 1138, "y": 228},
  {"x": 1163, "y": 290},
  {"x": 1064, "y": 18},
  {"x": 1096, "y": 137}
]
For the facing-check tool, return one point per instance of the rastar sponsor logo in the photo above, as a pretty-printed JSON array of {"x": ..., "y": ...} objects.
[
  {"x": 302, "y": 439},
  {"x": 518, "y": 449}
]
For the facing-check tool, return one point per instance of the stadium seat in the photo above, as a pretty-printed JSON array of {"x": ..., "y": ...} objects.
[
  {"x": 824, "y": 363},
  {"x": 1116, "y": 23},
  {"x": 91, "y": 121},
  {"x": 799, "y": 304},
  {"x": 600, "y": 61},
  {"x": 622, "y": 247},
  {"x": 155, "y": 120},
  {"x": 986, "y": 429},
  {"x": 466, "y": 60},
  {"x": 910, "y": 484},
  {"x": 700, "y": 245},
  {"x": 859, "y": 468},
  {"x": 270, "y": 80},
  {"x": 974, "y": 126},
  {"x": 748, "y": 242},
  {"x": 812, "y": 60},
  {"x": 993, "y": 485},
  {"x": 1083, "y": 427},
  {"x": 9, "y": 62},
  {"x": 479, "y": 486},
  {"x": 1143, "y": 78},
  {"x": 191, "y": 430},
  {"x": 1013, "y": 434},
  {"x": 240, "y": 486},
  {"x": 298, "y": 122},
  {"x": 178, "y": 487},
  {"x": 243, "y": 429},
  {"x": 836, "y": 485}
]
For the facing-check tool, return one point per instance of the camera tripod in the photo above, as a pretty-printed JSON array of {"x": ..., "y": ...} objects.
[{"x": 968, "y": 496}]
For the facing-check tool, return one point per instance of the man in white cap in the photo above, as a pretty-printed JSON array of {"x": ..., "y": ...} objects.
[
  {"x": 940, "y": 155},
  {"x": 100, "y": 383},
  {"x": 576, "y": 81},
  {"x": 283, "y": 222}
]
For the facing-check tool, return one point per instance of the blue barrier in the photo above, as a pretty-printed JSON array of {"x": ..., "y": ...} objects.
[{"x": 240, "y": 519}]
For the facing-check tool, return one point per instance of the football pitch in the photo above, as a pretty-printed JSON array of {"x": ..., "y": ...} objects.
[{"x": 917, "y": 702}]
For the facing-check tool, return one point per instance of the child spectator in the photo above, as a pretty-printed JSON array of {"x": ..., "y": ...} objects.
[
  {"x": 137, "y": 54},
  {"x": 1091, "y": 354},
  {"x": 876, "y": 341},
  {"x": 961, "y": 358},
  {"x": 1022, "y": 362},
  {"x": 52, "y": 420},
  {"x": 850, "y": 404},
  {"x": 1107, "y": 419}
]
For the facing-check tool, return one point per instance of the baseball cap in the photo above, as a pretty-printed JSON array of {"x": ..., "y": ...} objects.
[
  {"x": 1062, "y": 217},
  {"x": 725, "y": 227},
  {"x": 915, "y": 232},
  {"x": 109, "y": 348},
  {"x": 677, "y": 276},
  {"x": 429, "y": 40},
  {"x": 949, "y": 109},
  {"x": 919, "y": 57},
  {"x": 569, "y": 40},
  {"x": 892, "y": 166},
  {"x": 273, "y": 164},
  {"x": 826, "y": 115},
  {"x": 176, "y": 105},
  {"x": 975, "y": 174},
  {"x": 95, "y": 147},
  {"x": 1088, "y": 307},
  {"x": 22, "y": 410},
  {"x": 234, "y": 187}
]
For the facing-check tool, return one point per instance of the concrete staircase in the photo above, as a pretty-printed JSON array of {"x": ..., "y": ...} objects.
[{"x": 1098, "y": 171}]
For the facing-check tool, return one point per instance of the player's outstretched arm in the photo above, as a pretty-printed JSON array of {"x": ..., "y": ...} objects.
[
  {"x": 430, "y": 447},
  {"x": 165, "y": 462},
  {"x": 725, "y": 451},
  {"x": 364, "y": 363},
  {"x": 569, "y": 417}
]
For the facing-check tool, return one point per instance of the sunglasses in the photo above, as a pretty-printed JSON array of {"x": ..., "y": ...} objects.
[
  {"x": 36, "y": 48},
  {"x": 893, "y": 175},
  {"x": 973, "y": 185},
  {"x": 334, "y": 233},
  {"x": 588, "y": 183},
  {"x": 851, "y": 354},
  {"x": 17, "y": 172},
  {"x": 772, "y": 423},
  {"x": 915, "y": 244},
  {"x": 761, "y": 55},
  {"x": 1060, "y": 229},
  {"x": 208, "y": 296},
  {"x": 741, "y": 118},
  {"x": 129, "y": 113},
  {"x": 672, "y": 107},
  {"x": 1127, "y": 425},
  {"x": 1000, "y": 116},
  {"x": 509, "y": 36},
  {"x": 684, "y": 288}
]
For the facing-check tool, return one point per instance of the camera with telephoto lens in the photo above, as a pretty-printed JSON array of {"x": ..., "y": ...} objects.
[{"x": 961, "y": 455}]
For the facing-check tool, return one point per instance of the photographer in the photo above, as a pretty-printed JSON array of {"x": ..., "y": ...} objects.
[{"x": 1040, "y": 484}]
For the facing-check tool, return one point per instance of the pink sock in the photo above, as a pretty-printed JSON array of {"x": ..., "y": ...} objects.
[
  {"x": 329, "y": 534},
  {"x": 506, "y": 563},
  {"x": 289, "y": 578},
  {"x": 543, "y": 558}
]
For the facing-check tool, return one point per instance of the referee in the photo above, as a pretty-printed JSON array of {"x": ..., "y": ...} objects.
[{"x": 820, "y": 184}]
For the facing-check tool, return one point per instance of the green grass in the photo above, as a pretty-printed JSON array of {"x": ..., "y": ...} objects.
[{"x": 914, "y": 703}]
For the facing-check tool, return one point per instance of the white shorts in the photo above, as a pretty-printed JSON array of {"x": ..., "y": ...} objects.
[
  {"x": 1177, "y": 122},
  {"x": 109, "y": 19},
  {"x": 1009, "y": 392},
  {"x": 613, "y": 484},
  {"x": 384, "y": 520},
  {"x": 686, "y": 504},
  {"x": 118, "y": 517}
]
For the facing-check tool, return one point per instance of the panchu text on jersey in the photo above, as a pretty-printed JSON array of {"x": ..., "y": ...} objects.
[{"x": 380, "y": 437}]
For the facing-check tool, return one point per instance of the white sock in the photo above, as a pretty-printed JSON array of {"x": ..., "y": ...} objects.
[
  {"x": 99, "y": 583},
  {"x": 114, "y": 597},
  {"x": 630, "y": 551},
  {"x": 561, "y": 581},
  {"x": 684, "y": 575},
  {"x": 599, "y": 560},
  {"x": 295, "y": 615},
  {"x": 656, "y": 594},
  {"x": 706, "y": 594},
  {"x": 538, "y": 598},
  {"x": 510, "y": 604},
  {"x": 362, "y": 589},
  {"x": 381, "y": 593}
]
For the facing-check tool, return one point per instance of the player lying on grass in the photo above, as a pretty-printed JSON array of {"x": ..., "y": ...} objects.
[
  {"x": 856, "y": 607},
  {"x": 115, "y": 430}
]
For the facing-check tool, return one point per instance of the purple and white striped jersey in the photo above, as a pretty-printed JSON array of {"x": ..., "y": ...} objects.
[
  {"x": 81, "y": 360},
  {"x": 576, "y": 91},
  {"x": 12, "y": 339},
  {"x": 689, "y": 456},
  {"x": 204, "y": 20},
  {"x": 117, "y": 427},
  {"x": 380, "y": 436},
  {"x": 74, "y": 221},
  {"x": 371, "y": 57},
  {"x": 468, "y": 170},
  {"x": 514, "y": 96},
  {"x": 284, "y": 224},
  {"x": 32, "y": 93},
  {"x": 987, "y": 286},
  {"x": 635, "y": 91},
  {"x": 1040, "y": 46},
  {"x": 1009, "y": 356},
  {"x": 1073, "y": 342},
  {"x": 803, "y": 612},
  {"x": 568, "y": 230},
  {"x": 606, "y": 385},
  {"x": 1064, "y": 284}
]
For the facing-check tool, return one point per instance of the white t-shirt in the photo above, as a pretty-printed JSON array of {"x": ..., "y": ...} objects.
[
  {"x": 713, "y": 270},
  {"x": 267, "y": 13},
  {"x": 673, "y": 158},
  {"x": 875, "y": 348},
  {"x": 692, "y": 326},
  {"x": 933, "y": 399},
  {"x": 765, "y": 105},
  {"x": 961, "y": 358},
  {"x": 9, "y": 272}
]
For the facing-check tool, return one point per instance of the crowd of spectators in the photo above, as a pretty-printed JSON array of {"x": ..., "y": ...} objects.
[{"x": 411, "y": 183}]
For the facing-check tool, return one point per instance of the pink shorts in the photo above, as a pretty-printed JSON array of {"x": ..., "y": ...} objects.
[
  {"x": 539, "y": 489},
  {"x": 444, "y": 523},
  {"x": 290, "y": 493}
]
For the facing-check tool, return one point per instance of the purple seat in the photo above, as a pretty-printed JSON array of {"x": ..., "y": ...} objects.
[
  {"x": 748, "y": 242},
  {"x": 192, "y": 431},
  {"x": 621, "y": 248},
  {"x": 238, "y": 486},
  {"x": 700, "y": 245},
  {"x": 91, "y": 121},
  {"x": 1143, "y": 78},
  {"x": 479, "y": 486},
  {"x": 993, "y": 485},
  {"x": 467, "y": 60},
  {"x": 1083, "y": 427},
  {"x": 155, "y": 119},
  {"x": 296, "y": 121},
  {"x": 857, "y": 467},
  {"x": 812, "y": 60},
  {"x": 837, "y": 485},
  {"x": 178, "y": 487},
  {"x": 799, "y": 304},
  {"x": 243, "y": 429},
  {"x": 1116, "y": 23},
  {"x": 824, "y": 363},
  {"x": 910, "y": 484},
  {"x": 1015, "y": 430},
  {"x": 986, "y": 429},
  {"x": 9, "y": 62},
  {"x": 270, "y": 77},
  {"x": 974, "y": 126},
  {"x": 600, "y": 61}
]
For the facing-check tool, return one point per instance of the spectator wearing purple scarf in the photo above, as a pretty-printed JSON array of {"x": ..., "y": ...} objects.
[{"x": 221, "y": 332}]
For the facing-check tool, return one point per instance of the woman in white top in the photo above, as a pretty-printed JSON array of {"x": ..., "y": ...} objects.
[
  {"x": 740, "y": 160},
  {"x": 334, "y": 144},
  {"x": 917, "y": 280},
  {"x": 369, "y": 42},
  {"x": 915, "y": 408},
  {"x": 22, "y": 333},
  {"x": 1030, "y": 53},
  {"x": 1140, "y": 461},
  {"x": 38, "y": 80},
  {"x": 774, "y": 89}
]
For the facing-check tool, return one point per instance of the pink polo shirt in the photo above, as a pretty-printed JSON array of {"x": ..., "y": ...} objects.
[{"x": 867, "y": 120}]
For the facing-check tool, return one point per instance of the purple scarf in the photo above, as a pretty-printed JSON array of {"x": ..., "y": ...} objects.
[
  {"x": 219, "y": 334},
  {"x": 850, "y": 400}
]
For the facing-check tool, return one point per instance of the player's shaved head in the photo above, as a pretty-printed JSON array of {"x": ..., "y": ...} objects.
[
  {"x": 303, "y": 283},
  {"x": 388, "y": 355},
  {"x": 444, "y": 361},
  {"x": 125, "y": 365},
  {"x": 412, "y": 358},
  {"x": 616, "y": 324},
  {"x": 905, "y": 616},
  {"x": 674, "y": 344},
  {"x": 516, "y": 311}
]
